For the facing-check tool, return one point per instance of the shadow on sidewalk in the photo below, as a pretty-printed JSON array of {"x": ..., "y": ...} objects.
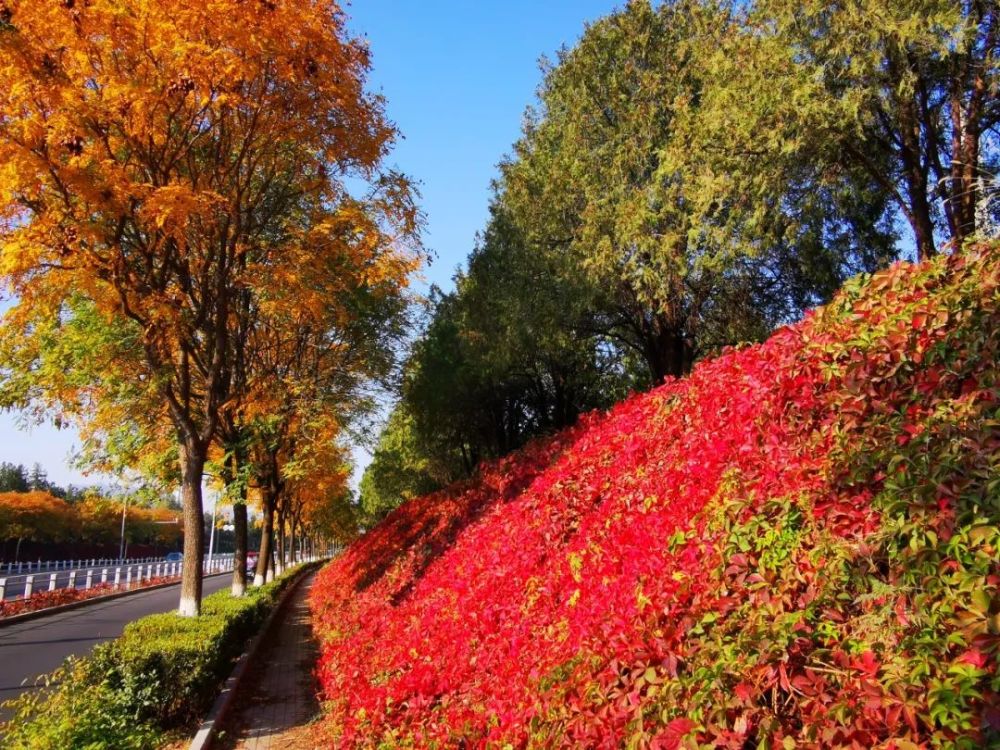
[{"x": 277, "y": 700}]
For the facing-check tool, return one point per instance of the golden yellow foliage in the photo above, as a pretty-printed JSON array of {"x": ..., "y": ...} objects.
[{"x": 187, "y": 167}]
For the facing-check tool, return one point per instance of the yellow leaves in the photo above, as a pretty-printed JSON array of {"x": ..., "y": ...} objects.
[
  {"x": 575, "y": 560},
  {"x": 17, "y": 255}
]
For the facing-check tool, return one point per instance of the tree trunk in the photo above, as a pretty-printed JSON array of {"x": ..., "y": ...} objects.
[
  {"x": 266, "y": 534},
  {"x": 240, "y": 553},
  {"x": 192, "y": 460},
  {"x": 280, "y": 567},
  {"x": 920, "y": 212},
  {"x": 964, "y": 197},
  {"x": 667, "y": 352},
  {"x": 230, "y": 469},
  {"x": 916, "y": 176}
]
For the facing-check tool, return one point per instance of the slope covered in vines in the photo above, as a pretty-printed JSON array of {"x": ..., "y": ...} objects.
[{"x": 795, "y": 546}]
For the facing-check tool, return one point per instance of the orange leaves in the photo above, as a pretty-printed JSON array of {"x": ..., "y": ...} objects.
[
  {"x": 165, "y": 156},
  {"x": 167, "y": 113},
  {"x": 35, "y": 515},
  {"x": 172, "y": 208},
  {"x": 181, "y": 183},
  {"x": 41, "y": 517}
]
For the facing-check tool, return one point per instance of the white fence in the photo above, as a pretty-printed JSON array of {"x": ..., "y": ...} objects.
[
  {"x": 115, "y": 577},
  {"x": 40, "y": 566}
]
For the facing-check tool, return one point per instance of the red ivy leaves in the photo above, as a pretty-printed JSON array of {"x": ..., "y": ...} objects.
[
  {"x": 58, "y": 597},
  {"x": 737, "y": 556}
]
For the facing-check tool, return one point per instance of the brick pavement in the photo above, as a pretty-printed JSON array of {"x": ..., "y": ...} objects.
[{"x": 277, "y": 699}]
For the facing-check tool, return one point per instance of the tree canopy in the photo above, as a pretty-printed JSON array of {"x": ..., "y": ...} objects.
[
  {"x": 693, "y": 174},
  {"x": 612, "y": 171},
  {"x": 163, "y": 160}
]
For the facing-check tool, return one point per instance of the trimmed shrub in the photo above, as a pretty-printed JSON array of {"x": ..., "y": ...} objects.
[{"x": 163, "y": 672}]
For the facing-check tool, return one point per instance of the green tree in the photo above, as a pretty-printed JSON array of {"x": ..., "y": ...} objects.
[
  {"x": 611, "y": 172},
  {"x": 399, "y": 470},
  {"x": 13, "y": 478},
  {"x": 523, "y": 345},
  {"x": 38, "y": 480},
  {"x": 904, "y": 93}
]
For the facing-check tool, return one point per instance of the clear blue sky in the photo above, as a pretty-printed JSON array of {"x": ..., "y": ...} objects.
[{"x": 457, "y": 77}]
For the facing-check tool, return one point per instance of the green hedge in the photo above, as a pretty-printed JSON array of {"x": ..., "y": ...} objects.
[{"x": 162, "y": 673}]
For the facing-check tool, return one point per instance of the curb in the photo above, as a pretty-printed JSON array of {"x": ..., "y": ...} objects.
[
  {"x": 38, "y": 613},
  {"x": 206, "y": 733}
]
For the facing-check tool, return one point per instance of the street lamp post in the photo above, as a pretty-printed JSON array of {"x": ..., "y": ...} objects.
[
  {"x": 211, "y": 534},
  {"x": 121, "y": 548}
]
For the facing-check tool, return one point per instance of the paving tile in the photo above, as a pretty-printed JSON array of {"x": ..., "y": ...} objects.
[{"x": 278, "y": 699}]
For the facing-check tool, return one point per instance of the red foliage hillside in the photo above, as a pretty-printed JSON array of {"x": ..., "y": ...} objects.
[{"x": 795, "y": 546}]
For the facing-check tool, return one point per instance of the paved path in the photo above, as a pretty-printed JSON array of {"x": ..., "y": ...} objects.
[
  {"x": 277, "y": 698},
  {"x": 37, "y": 647}
]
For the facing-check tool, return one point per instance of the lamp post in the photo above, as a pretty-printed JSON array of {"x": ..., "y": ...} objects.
[
  {"x": 121, "y": 548},
  {"x": 211, "y": 533}
]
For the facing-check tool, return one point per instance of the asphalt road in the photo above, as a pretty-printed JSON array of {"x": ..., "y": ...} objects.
[{"x": 36, "y": 647}]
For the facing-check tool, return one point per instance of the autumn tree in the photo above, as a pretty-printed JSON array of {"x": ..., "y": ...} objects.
[
  {"x": 317, "y": 497},
  {"x": 304, "y": 356},
  {"x": 330, "y": 518},
  {"x": 36, "y": 516},
  {"x": 309, "y": 365},
  {"x": 99, "y": 520},
  {"x": 77, "y": 365},
  {"x": 152, "y": 152}
]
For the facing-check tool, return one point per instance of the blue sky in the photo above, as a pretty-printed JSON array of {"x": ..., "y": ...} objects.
[{"x": 457, "y": 77}]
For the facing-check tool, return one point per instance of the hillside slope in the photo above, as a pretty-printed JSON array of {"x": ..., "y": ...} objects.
[{"x": 795, "y": 546}]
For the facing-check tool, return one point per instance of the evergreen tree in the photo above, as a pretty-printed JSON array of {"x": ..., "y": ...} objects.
[
  {"x": 38, "y": 480},
  {"x": 13, "y": 478}
]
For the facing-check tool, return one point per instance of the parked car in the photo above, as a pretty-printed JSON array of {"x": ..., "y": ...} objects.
[{"x": 175, "y": 556}]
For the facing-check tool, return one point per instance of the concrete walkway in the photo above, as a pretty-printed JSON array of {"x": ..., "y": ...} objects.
[{"x": 277, "y": 698}]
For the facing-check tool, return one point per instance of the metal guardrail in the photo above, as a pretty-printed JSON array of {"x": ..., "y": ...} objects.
[
  {"x": 39, "y": 566},
  {"x": 118, "y": 577}
]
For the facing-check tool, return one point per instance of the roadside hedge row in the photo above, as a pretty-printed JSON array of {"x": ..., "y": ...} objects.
[{"x": 160, "y": 675}]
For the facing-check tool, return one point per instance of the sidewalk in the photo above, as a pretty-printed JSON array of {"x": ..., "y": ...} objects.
[{"x": 277, "y": 700}]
